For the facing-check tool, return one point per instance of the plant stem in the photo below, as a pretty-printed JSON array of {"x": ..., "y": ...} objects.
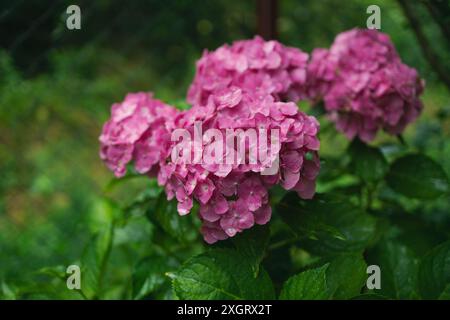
[
  {"x": 81, "y": 293},
  {"x": 105, "y": 259},
  {"x": 282, "y": 243}
]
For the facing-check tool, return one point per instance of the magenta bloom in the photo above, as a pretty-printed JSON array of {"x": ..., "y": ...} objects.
[
  {"x": 233, "y": 196},
  {"x": 138, "y": 130},
  {"x": 364, "y": 85},
  {"x": 256, "y": 65}
]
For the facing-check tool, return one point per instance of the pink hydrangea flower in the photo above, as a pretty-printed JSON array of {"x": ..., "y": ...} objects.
[
  {"x": 237, "y": 87},
  {"x": 364, "y": 85},
  {"x": 139, "y": 130},
  {"x": 265, "y": 66},
  {"x": 234, "y": 196}
]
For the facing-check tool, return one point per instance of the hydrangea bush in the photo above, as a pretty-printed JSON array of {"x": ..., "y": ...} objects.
[{"x": 269, "y": 233}]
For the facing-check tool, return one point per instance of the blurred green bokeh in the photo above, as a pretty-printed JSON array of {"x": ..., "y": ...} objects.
[{"x": 57, "y": 85}]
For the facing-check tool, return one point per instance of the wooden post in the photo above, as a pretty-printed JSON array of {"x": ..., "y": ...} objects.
[{"x": 267, "y": 18}]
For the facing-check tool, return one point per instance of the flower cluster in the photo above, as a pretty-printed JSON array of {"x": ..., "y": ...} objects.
[
  {"x": 255, "y": 64},
  {"x": 234, "y": 196},
  {"x": 139, "y": 130},
  {"x": 364, "y": 84},
  {"x": 253, "y": 138}
]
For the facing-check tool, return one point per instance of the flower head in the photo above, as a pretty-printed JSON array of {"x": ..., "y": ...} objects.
[
  {"x": 234, "y": 195},
  {"x": 364, "y": 84},
  {"x": 257, "y": 65},
  {"x": 138, "y": 130}
]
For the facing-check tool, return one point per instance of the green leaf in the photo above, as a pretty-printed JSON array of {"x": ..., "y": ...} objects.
[
  {"x": 104, "y": 211},
  {"x": 414, "y": 232},
  {"x": 165, "y": 215},
  {"x": 6, "y": 292},
  {"x": 58, "y": 272},
  {"x": 221, "y": 274},
  {"x": 399, "y": 266},
  {"x": 252, "y": 244},
  {"x": 445, "y": 295},
  {"x": 181, "y": 104},
  {"x": 367, "y": 162},
  {"x": 434, "y": 272},
  {"x": 93, "y": 261},
  {"x": 341, "y": 278},
  {"x": 369, "y": 296},
  {"x": 149, "y": 275},
  {"x": 113, "y": 183},
  {"x": 417, "y": 176},
  {"x": 307, "y": 285},
  {"x": 327, "y": 224},
  {"x": 143, "y": 201},
  {"x": 346, "y": 275}
]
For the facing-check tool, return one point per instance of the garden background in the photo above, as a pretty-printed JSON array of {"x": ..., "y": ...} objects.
[{"x": 56, "y": 88}]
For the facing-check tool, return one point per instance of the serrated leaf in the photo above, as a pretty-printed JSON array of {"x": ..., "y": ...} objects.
[
  {"x": 252, "y": 244},
  {"x": 221, "y": 274},
  {"x": 93, "y": 261},
  {"x": 367, "y": 162},
  {"x": 181, "y": 104},
  {"x": 369, "y": 296},
  {"x": 165, "y": 215},
  {"x": 307, "y": 285},
  {"x": 434, "y": 272},
  {"x": 149, "y": 275},
  {"x": 142, "y": 202},
  {"x": 346, "y": 275},
  {"x": 327, "y": 224},
  {"x": 418, "y": 176},
  {"x": 398, "y": 265}
]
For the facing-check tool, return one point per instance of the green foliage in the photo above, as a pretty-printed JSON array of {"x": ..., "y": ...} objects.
[
  {"x": 369, "y": 296},
  {"x": 150, "y": 275},
  {"x": 252, "y": 245},
  {"x": 93, "y": 262},
  {"x": 341, "y": 278},
  {"x": 367, "y": 162},
  {"x": 382, "y": 204},
  {"x": 327, "y": 224},
  {"x": 399, "y": 268},
  {"x": 164, "y": 214},
  {"x": 434, "y": 273},
  {"x": 346, "y": 275},
  {"x": 221, "y": 274},
  {"x": 308, "y": 285},
  {"x": 418, "y": 176}
]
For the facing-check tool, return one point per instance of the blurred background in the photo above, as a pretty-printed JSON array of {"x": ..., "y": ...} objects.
[{"x": 57, "y": 86}]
